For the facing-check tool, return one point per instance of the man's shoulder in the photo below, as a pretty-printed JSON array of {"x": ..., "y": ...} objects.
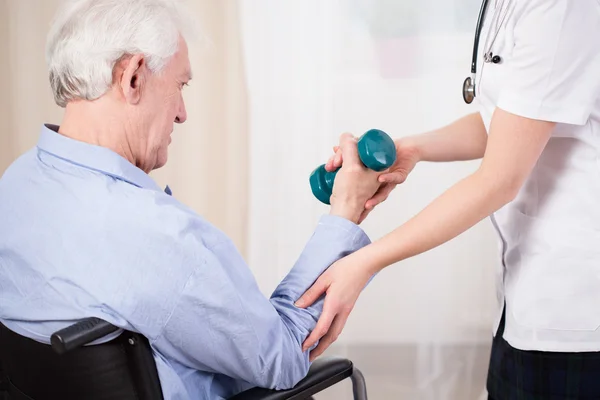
[
  {"x": 69, "y": 198},
  {"x": 132, "y": 249},
  {"x": 152, "y": 212},
  {"x": 21, "y": 165}
]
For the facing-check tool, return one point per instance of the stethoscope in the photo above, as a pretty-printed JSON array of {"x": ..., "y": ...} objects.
[{"x": 468, "y": 90}]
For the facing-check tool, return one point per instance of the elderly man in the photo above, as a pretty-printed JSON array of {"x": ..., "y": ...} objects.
[{"x": 86, "y": 232}]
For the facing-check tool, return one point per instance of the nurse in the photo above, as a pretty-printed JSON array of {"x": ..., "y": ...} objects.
[{"x": 537, "y": 134}]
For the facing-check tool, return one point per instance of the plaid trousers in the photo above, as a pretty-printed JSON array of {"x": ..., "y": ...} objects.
[{"x": 535, "y": 375}]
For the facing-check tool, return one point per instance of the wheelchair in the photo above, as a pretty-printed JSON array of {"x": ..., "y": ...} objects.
[{"x": 123, "y": 368}]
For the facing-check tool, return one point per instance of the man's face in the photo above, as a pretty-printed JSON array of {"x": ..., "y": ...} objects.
[{"x": 160, "y": 105}]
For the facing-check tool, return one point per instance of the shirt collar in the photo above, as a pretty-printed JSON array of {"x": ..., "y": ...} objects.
[{"x": 93, "y": 157}]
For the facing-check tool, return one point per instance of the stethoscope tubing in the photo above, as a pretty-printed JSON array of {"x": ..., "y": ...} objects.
[
  {"x": 468, "y": 89},
  {"x": 478, "y": 30}
]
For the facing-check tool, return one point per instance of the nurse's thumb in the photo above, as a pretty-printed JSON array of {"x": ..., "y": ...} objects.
[{"x": 312, "y": 294}]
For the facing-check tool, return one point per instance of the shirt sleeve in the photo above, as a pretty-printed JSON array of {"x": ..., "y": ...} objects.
[
  {"x": 223, "y": 324},
  {"x": 554, "y": 70}
]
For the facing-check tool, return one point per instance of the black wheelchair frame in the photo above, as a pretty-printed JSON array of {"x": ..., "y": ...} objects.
[{"x": 123, "y": 368}]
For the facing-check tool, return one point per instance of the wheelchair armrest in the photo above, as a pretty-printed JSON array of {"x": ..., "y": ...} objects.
[
  {"x": 80, "y": 333},
  {"x": 323, "y": 373}
]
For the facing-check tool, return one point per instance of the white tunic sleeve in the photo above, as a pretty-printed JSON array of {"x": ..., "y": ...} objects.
[{"x": 554, "y": 71}]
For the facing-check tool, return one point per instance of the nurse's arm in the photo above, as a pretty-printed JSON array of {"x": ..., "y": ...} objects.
[
  {"x": 462, "y": 140},
  {"x": 513, "y": 148}
]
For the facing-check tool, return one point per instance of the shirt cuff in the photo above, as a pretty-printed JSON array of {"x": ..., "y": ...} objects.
[{"x": 359, "y": 236}]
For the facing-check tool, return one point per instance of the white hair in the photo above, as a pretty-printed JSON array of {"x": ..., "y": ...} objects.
[{"x": 88, "y": 37}]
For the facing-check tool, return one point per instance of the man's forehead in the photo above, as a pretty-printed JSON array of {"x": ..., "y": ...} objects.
[
  {"x": 187, "y": 70},
  {"x": 182, "y": 61}
]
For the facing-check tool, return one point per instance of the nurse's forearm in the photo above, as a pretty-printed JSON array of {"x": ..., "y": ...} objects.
[
  {"x": 464, "y": 139},
  {"x": 458, "y": 209},
  {"x": 514, "y": 146}
]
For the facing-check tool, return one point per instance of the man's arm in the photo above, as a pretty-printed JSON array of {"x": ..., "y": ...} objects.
[{"x": 223, "y": 324}]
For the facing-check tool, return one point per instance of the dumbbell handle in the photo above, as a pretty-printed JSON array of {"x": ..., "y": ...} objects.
[{"x": 376, "y": 150}]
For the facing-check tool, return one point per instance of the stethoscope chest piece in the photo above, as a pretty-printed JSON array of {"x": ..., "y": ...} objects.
[{"x": 468, "y": 90}]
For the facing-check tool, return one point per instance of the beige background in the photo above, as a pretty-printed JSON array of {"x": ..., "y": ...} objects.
[{"x": 207, "y": 158}]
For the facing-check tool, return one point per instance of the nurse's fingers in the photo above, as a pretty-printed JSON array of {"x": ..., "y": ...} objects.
[
  {"x": 364, "y": 215},
  {"x": 395, "y": 176},
  {"x": 314, "y": 292},
  {"x": 380, "y": 196},
  {"x": 334, "y": 332},
  {"x": 322, "y": 326}
]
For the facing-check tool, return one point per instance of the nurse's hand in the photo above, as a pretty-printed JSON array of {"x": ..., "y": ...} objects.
[
  {"x": 407, "y": 156},
  {"x": 343, "y": 283}
]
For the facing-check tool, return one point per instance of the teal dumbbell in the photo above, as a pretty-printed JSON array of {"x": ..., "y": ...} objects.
[{"x": 376, "y": 150}]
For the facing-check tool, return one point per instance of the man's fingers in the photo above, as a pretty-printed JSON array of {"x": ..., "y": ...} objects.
[
  {"x": 380, "y": 196},
  {"x": 329, "y": 165},
  {"x": 334, "y": 331},
  {"x": 313, "y": 293},
  {"x": 337, "y": 159},
  {"x": 349, "y": 149},
  {"x": 321, "y": 328}
]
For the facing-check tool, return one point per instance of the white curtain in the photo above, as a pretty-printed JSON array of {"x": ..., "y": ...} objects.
[{"x": 315, "y": 69}]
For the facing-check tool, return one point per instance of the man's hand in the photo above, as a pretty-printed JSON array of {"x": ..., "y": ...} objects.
[
  {"x": 354, "y": 183},
  {"x": 407, "y": 157}
]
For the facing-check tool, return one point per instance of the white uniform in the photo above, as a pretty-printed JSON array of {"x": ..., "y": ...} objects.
[{"x": 550, "y": 234}]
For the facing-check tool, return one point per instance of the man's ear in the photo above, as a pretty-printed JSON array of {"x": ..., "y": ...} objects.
[{"x": 133, "y": 79}]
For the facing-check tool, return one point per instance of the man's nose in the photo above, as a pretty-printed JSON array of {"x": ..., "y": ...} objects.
[{"x": 182, "y": 114}]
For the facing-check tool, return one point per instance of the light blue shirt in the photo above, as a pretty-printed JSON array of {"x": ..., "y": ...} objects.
[{"x": 85, "y": 233}]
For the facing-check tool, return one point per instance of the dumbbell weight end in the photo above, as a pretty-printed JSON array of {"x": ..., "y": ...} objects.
[{"x": 321, "y": 183}]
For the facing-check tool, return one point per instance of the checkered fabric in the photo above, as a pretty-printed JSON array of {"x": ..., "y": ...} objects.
[{"x": 534, "y": 375}]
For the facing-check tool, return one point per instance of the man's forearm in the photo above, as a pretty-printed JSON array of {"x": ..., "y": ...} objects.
[
  {"x": 334, "y": 238},
  {"x": 464, "y": 139}
]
